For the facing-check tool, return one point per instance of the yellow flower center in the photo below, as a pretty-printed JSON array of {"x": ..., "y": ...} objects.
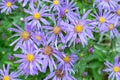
[
  {"x": 66, "y": 59},
  {"x": 25, "y": 35},
  {"x": 116, "y": 69},
  {"x": 37, "y": 15},
  {"x": 59, "y": 73},
  {"x": 101, "y": 19},
  {"x": 56, "y": 30},
  {"x": 56, "y": 2},
  {"x": 8, "y": 4},
  {"x": 66, "y": 10},
  {"x": 47, "y": 50},
  {"x": 111, "y": 26},
  {"x": 6, "y": 78},
  {"x": 79, "y": 28},
  {"x": 38, "y": 38},
  {"x": 30, "y": 57},
  {"x": 118, "y": 12}
]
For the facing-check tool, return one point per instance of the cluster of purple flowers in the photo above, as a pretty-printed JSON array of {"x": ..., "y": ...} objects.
[
  {"x": 107, "y": 19},
  {"x": 40, "y": 38},
  {"x": 59, "y": 22}
]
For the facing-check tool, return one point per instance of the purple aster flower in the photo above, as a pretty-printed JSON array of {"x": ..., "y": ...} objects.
[
  {"x": 112, "y": 27},
  {"x": 54, "y": 4},
  {"x": 8, "y": 6},
  {"x": 38, "y": 37},
  {"x": 113, "y": 31},
  {"x": 79, "y": 28},
  {"x": 113, "y": 69},
  {"x": 106, "y": 4},
  {"x": 59, "y": 74},
  {"x": 68, "y": 9},
  {"x": 117, "y": 14},
  {"x": 102, "y": 19},
  {"x": 55, "y": 33},
  {"x": 30, "y": 59},
  {"x": 68, "y": 62},
  {"x": 5, "y": 75},
  {"x": 37, "y": 15},
  {"x": 48, "y": 55},
  {"x": 24, "y": 35}
]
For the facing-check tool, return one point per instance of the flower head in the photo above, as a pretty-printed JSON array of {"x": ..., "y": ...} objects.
[
  {"x": 102, "y": 19},
  {"x": 5, "y": 75},
  {"x": 55, "y": 34},
  {"x": 116, "y": 13},
  {"x": 84, "y": 74},
  {"x": 38, "y": 37},
  {"x": 48, "y": 55},
  {"x": 113, "y": 69},
  {"x": 8, "y": 6},
  {"x": 59, "y": 74},
  {"x": 112, "y": 28},
  {"x": 37, "y": 15},
  {"x": 68, "y": 10},
  {"x": 24, "y": 35},
  {"x": 106, "y": 4},
  {"x": 91, "y": 50},
  {"x": 10, "y": 57},
  {"x": 54, "y": 4},
  {"x": 68, "y": 62},
  {"x": 78, "y": 29},
  {"x": 30, "y": 59}
]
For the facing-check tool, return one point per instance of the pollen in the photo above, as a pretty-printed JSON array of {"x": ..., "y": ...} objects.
[
  {"x": 116, "y": 69},
  {"x": 56, "y": 30},
  {"x": 66, "y": 11},
  {"x": 30, "y": 57},
  {"x": 25, "y": 35},
  {"x": 56, "y": 2},
  {"x": 66, "y": 59},
  {"x": 36, "y": 15},
  {"x": 8, "y": 4},
  {"x": 111, "y": 26},
  {"x": 101, "y": 19},
  {"x": 47, "y": 50},
  {"x": 59, "y": 73},
  {"x": 6, "y": 78},
  {"x": 118, "y": 12},
  {"x": 38, "y": 38},
  {"x": 79, "y": 28}
]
